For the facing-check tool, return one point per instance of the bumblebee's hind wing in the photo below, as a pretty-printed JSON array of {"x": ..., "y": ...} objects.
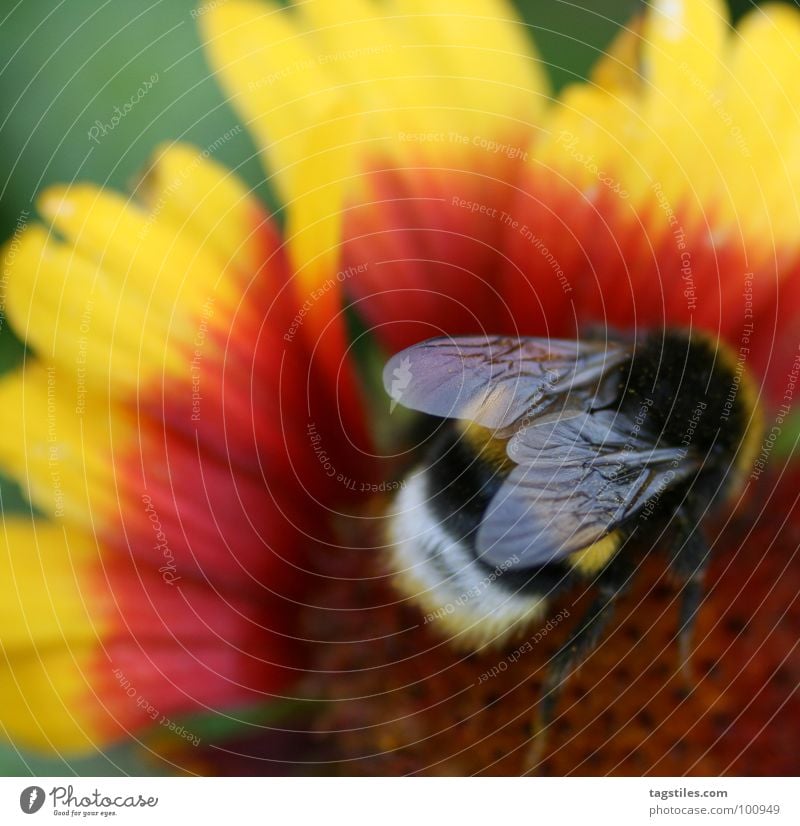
[
  {"x": 495, "y": 380},
  {"x": 578, "y": 477}
]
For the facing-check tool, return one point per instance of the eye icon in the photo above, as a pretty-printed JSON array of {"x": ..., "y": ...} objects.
[{"x": 31, "y": 799}]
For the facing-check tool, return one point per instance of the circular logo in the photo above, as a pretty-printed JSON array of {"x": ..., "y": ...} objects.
[{"x": 31, "y": 799}]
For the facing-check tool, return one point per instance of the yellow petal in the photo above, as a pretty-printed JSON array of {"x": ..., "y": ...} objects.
[
  {"x": 57, "y": 441},
  {"x": 618, "y": 69},
  {"x": 711, "y": 130},
  {"x": 192, "y": 195},
  {"x": 329, "y": 89},
  {"x": 122, "y": 300},
  {"x": 126, "y": 241},
  {"x": 295, "y": 109},
  {"x": 49, "y": 635},
  {"x": 43, "y": 569},
  {"x": 71, "y": 311},
  {"x": 761, "y": 99},
  {"x": 682, "y": 49},
  {"x": 496, "y": 81},
  {"x": 272, "y": 78},
  {"x": 683, "y": 59}
]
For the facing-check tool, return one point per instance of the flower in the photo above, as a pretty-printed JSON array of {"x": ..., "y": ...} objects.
[
  {"x": 662, "y": 192},
  {"x": 160, "y": 426},
  {"x": 189, "y": 423}
]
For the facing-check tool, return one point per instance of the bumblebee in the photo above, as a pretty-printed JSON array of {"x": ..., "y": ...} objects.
[{"x": 555, "y": 461}]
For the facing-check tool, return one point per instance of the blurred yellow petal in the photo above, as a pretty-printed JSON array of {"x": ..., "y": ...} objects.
[
  {"x": 682, "y": 42},
  {"x": 58, "y": 442},
  {"x": 295, "y": 110},
  {"x": 186, "y": 192},
  {"x": 481, "y": 53},
  {"x": 73, "y": 311},
  {"x": 50, "y": 623},
  {"x": 131, "y": 245},
  {"x": 329, "y": 89},
  {"x": 760, "y": 102},
  {"x": 42, "y": 567},
  {"x": 711, "y": 126},
  {"x": 618, "y": 68}
]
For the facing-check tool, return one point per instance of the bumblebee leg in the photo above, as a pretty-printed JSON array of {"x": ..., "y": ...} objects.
[
  {"x": 582, "y": 641},
  {"x": 688, "y": 565}
]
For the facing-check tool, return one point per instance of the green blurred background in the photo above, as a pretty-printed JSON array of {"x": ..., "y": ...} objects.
[{"x": 67, "y": 64}]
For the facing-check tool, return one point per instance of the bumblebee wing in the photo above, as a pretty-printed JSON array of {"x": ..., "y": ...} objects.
[
  {"x": 578, "y": 477},
  {"x": 494, "y": 381}
]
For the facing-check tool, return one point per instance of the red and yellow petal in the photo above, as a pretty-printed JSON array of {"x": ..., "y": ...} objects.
[
  {"x": 402, "y": 71},
  {"x": 98, "y": 645},
  {"x": 670, "y": 200},
  {"x": 162, "y": 424},
  {"x": 414, "y": 116},
  {"x": 661, "y": 193}
]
